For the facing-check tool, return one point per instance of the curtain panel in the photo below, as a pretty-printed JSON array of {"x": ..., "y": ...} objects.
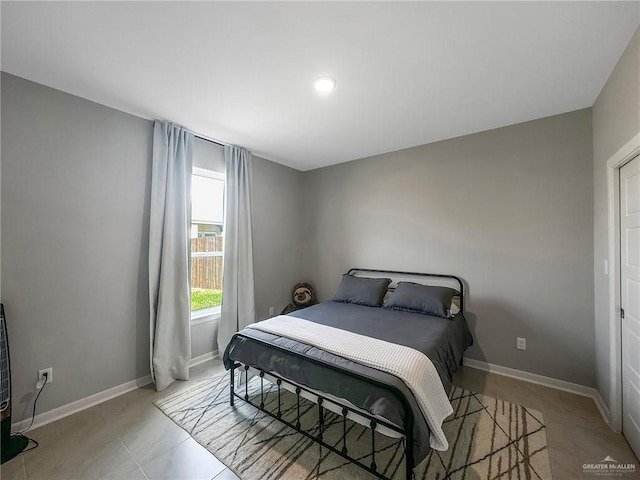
[
  {"x": 169, "y": 254},
  {"x": 238, "y": 299}
]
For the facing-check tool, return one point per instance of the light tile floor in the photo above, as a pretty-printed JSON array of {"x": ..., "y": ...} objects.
[
  {"x": 576, "y": 432},
  {"x": 129, "y": 438}
]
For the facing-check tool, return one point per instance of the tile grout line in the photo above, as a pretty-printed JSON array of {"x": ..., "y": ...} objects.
[
  {"x": 562, "y": 410},
  {"x": 168, "y": 449},
  {"x": 131, "y": 454},
  {"x": 122, "y": 443},
  {"x": 112, "y": 423},
  {"x": 133, "y": 458},
  {"x": 217, "y": 475},
  {"x": 573, "y": 447},
  {"x": 103, "y": 415},
  {"x": 24, "y": 467}
]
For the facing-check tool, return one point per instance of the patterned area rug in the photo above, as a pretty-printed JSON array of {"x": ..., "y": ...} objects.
[{"x": 488, "y": 438}]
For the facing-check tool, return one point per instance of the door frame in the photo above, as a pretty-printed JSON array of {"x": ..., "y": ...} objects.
[{"x": 629, "y": 151}]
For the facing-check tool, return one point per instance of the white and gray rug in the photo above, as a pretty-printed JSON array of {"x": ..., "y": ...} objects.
[{"x": 488, "y": 438}]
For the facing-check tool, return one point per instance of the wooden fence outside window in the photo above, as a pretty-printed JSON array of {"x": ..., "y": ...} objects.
[{"x": 206, "y": 271}]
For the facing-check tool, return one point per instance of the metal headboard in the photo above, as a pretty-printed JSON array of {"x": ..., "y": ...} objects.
[{"x": 416, "y": 274}]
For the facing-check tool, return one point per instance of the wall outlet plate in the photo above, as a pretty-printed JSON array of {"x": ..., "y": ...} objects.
[
  {"x": 271, "y": 311},
  {"x": 521, "y": 343},
  {"x": 49, "y": 372}
]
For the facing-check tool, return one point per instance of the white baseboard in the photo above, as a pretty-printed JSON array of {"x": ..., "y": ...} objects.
[
  {"x": 92, "y": 400},
  {"x": 82, "y": 404},
  {"x": 203, "y": 358},
  {"x": 602, "y": 407},
  {"x": 544, "y": 381}
]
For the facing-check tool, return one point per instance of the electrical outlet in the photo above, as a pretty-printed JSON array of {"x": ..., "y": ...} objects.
[
  {"x": 521, "y": 343},
  {"x": 48, "y": 371},
  {"x": 271, "y": 311}
]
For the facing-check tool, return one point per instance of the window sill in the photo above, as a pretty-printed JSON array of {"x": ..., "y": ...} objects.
[{"x": 205, "y": 315}]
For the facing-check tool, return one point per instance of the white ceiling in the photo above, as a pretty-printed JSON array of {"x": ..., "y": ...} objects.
[{"x": 408, "y": 73}]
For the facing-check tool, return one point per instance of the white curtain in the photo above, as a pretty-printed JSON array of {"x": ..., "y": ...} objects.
[
  {"x": 169, "y": 254},
  {"x": 238, "y": 303}
]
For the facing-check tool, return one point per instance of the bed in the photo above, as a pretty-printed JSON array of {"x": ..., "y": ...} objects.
[{"x": 320, "y": 354}]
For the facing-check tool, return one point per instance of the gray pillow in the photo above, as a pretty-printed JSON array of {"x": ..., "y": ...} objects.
[
  {"x": 362, "y": 290},
  {"x": 425, "y": 299}
]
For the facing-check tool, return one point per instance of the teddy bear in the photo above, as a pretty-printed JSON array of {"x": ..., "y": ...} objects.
[{"x": 304, "y": 295}]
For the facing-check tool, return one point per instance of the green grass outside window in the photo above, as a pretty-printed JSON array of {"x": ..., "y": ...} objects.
[{"x": 202, "y": 298}]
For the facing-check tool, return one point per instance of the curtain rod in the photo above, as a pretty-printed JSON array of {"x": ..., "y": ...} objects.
[{"x": 211, "y": 140}]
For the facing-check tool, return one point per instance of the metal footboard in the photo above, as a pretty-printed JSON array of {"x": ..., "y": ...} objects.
[{"x": 343, "y": 451}]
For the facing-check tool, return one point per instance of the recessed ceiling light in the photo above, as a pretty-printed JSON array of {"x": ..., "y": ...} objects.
[{"x": 325, "y": 84}]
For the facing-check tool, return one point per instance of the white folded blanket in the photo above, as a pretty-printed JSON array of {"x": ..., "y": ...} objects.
[{"x": 413, "y": 367}]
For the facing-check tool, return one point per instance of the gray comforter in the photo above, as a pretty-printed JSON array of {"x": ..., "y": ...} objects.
[{"x": 442, "y": 340}]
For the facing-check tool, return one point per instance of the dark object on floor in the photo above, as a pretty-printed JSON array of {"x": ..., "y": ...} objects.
[
  {"x": 304, "y": 295},
  {"x": 10, "y": 445}
]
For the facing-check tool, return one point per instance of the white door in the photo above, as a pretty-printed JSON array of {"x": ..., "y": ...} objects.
[{"x": 630, "y": 283}]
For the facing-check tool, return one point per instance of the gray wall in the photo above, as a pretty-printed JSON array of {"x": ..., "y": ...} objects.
[
  {"x": 75, "y": 206},
  {"x": 277, "y": 234},
  {"x": 616, "y": 119},
  {"x": 508, "y": 210}
]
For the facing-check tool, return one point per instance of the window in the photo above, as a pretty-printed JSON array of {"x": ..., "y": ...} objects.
[{"x": 207, "y": 242}]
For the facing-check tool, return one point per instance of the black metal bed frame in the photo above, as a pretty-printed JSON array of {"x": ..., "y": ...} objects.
[{"x": 407, "y": 432}]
